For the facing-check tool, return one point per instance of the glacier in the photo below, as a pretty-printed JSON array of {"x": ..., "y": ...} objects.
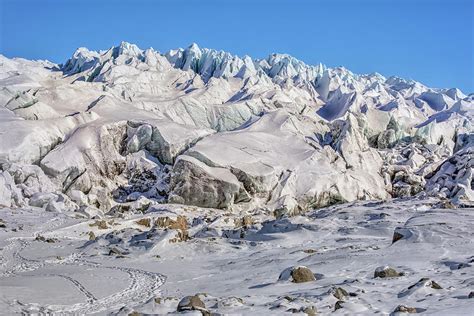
[{"x": 112, "y": 138}]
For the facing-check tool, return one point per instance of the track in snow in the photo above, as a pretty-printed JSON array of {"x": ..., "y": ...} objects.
[{"x": 143, "y": 285}]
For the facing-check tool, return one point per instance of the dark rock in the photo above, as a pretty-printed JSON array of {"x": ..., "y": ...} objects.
[
  {"x": 396, "y": 237},
  {"x": 309, "y": 310},
  {"x": 115, "y": 252},
  {"x": 144, "y": 222},
  {"x": 426, "y": 282},
  {"x": 91, "y": 235},
  {"x": 189, "y": 303},
  {"x": 405, "y": 309},
  {"x": 43, "y": 239},
  {"x": 302, "y": 274},
  {"x": 386, "y": 272},
  {"x": 435, "y": 285},
  {"x": 339, "y": 293}
]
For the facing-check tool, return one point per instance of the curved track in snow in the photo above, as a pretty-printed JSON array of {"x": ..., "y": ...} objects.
[{"x": 142, "y": 285}]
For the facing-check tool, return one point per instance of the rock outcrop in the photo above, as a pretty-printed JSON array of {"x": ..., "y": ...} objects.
[{"x": 195, "y": 183}]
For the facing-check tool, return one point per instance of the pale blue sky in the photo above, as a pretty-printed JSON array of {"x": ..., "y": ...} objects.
[{"x": 427, "y": 40}]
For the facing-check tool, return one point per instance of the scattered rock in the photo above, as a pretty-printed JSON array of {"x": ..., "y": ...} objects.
[
  {"x": 180, "y": 224},
  {"x": 386, "y": 272},
  {"x": 189, "y": 303},
  {"x": 101, "y": 224},
  {"x": 396, "y": 237},
  {"x": 422, "y": 283},
  {"x": 435, "y": 285},
  {"x": 231, "y": 301},
  {"x": 293, "y": 310},
  {"x": 427, "y": 283},
  {"x": 166, "y": 222},
  {"x": 471, "y": 295},
  {"x": 116, "y": 252},
  {"x": 297, "y": 274},
  {"x": 309, "y": 310},
  {"x": 339, "y": 293},
  {"x": 405, "y": 309},
  {"x": 244, "y": 221},
  {"x": 338, "y": 305},
  {"x": 144, "y": 222},
  {"x": 43, "y": 239},
  {"x": 92, "y": 235},
  {"x": 302, "y": 274}
]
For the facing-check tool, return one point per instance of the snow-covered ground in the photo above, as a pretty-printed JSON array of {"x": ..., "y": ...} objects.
[
  {"x": 131, "y": 267},
  {"x": 131, "y": 181}
]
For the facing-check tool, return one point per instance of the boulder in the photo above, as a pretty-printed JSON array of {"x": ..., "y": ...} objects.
[
  {"x": 195, "y": 183},
  {"x": 302, "y": 274},
  {"x": 405, "y": 309},
  {"x": 421, "y": 284},
  {"x": 386, "y": 272},
  {"x": 339, "y": 293},
  {"x": 189, "y": 303},
  {"x": 180, "y": 224},
  {"x": 396, "y": 237},
  {"x": 297, "y": 274},
  {"x": 309, "y": 310},
  {"x": 401, "y": 189},
  {"x": 231, "y": 301}
]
